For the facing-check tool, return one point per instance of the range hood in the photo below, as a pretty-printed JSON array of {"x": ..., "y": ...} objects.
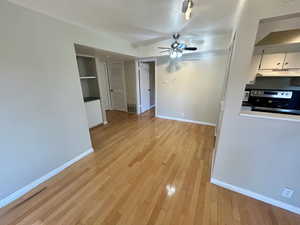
[{"x": 281, "y": 37}]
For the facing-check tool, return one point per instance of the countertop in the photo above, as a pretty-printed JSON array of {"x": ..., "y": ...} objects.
[
  {"x": 89, "y": 99},
  {"x": 246, "y": 111}
]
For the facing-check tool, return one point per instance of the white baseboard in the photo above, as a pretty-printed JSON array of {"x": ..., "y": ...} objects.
[
  {"x": 256, "y": 196},
  {"x": 19, "y": 193},
  {"x": 185, "y": 120}
]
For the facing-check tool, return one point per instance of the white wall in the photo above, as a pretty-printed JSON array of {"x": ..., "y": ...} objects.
[
  {"x": 191, "y": 90},
  {"x": 257, "y": 154},
  {"x": 43, "y": 122}
]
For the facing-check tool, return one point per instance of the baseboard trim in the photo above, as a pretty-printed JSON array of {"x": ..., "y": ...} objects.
[
  {"x": 19, "y": 193},
  {"x": 185, "y": 120},
  {"x": 256, "y": 196}
]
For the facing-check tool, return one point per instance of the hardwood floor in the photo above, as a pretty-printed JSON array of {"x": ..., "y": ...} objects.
[{"x": 145, "y": 171}]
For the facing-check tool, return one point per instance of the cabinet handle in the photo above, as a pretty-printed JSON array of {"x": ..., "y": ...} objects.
[
  {"x": 286, "y": 63},
  {"x": 278, "y": 64}
]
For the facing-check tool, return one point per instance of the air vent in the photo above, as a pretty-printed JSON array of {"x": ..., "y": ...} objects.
[{"x": 131, "y": 108}]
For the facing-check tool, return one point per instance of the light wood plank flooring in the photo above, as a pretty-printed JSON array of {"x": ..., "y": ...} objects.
[{"x": 145, "y": 171}]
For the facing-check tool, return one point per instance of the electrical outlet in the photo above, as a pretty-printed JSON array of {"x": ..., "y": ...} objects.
[{"x": 287, "y": 193}]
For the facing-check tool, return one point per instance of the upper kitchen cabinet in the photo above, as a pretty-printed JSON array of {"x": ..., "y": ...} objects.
[
  {"x": 292, "y": 61},
  {"x": 272, "y": 61},
  {"x": 281, "y": 49}
]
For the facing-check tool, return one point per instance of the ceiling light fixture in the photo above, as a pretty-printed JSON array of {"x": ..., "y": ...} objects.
[
  {"x": 187, "y": 6},
  {"x": 175, "y": 54}
]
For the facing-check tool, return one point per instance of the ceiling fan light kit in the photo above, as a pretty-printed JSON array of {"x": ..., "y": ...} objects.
[{"x": 175, "y": 54}]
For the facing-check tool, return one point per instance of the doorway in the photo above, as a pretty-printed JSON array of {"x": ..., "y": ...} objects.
[
  {"x": 147, "y": 85},
  {"x": 108, "y": 79}
]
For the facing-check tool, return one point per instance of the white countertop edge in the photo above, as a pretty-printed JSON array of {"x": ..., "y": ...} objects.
[{"x": 266, "y": 115}]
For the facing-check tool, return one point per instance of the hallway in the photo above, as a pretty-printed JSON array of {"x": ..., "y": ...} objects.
[{"x": 144, "y": 171}]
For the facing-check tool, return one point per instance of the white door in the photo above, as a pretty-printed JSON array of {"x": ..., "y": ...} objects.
[
  {"x": 145, "y": 86},
  {"x": 292, "y": 60},
  {"x": 117, "y": 86},
  {"x": 272, "y": 61}
]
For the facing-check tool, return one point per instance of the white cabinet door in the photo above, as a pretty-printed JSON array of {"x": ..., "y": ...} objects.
[
  {"x": 292, "y": 60},
  {"x": 272, "y": 61},
  {"x": 93, "y": 113}
]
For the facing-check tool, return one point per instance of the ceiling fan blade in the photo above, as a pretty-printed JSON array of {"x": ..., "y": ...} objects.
[
  {"x": 164, "y": 48},
  {"x": 152, "y": 41},
  {"x": 190, "y": 48},
  {"x": 197, "y": 42}
]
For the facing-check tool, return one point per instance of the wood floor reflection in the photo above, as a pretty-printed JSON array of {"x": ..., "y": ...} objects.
[{"x": 145, "y": 171}]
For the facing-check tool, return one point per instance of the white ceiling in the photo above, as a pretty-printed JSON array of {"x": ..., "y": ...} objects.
[{"x": 141, "y": 20}]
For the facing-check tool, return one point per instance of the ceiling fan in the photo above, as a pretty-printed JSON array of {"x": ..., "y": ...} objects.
[{"x": 176, "y": 49}]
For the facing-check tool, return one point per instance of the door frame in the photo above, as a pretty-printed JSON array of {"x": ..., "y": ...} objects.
[
  {"x": 138, "y": 93},
  {"x": 230, "y": 52},
  {"x": 145, "y": 80},
  {"x": 106, "y": 83},
  {"x": 123, "y": 83}
]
